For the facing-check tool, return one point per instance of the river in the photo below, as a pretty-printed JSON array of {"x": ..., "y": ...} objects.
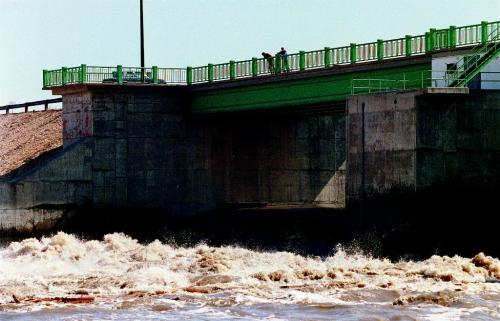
[{"x": 62, "y": 277}]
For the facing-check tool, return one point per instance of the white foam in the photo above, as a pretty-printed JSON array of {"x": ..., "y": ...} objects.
[{"x": 63, "y": 265}]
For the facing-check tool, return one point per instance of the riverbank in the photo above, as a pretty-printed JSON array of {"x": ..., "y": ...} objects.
[{"x": 25, "y": 136}]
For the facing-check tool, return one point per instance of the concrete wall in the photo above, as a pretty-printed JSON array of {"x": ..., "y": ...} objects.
[
  {"x": 285, "y": 159},
  {"x": 146, "y": 153},
  {"x": 458, "y": 140},
  {"x": 413, "y": 141},
  {"x": 77, "y": 117},
  {"x": 381, "y": 141},
  {"x": 150, "y": 153},
  {"x": 137, "y": 147},
  {"x": 39, "y": 197}
]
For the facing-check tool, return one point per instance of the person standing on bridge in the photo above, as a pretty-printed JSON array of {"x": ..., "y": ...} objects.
[
  {"x": 284, "y": 60},
  {"x": 270, "y": 61}
]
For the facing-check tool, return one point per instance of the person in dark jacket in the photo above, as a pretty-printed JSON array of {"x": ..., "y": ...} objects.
[
  {"x": 270, "y": 61},
  {"x": 284, "y": 59}
]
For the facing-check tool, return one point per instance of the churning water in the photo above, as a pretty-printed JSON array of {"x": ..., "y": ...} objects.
[{"x": 117, "y": 278}]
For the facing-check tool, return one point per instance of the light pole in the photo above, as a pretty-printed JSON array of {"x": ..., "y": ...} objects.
[{"x": 142, "y": 43}]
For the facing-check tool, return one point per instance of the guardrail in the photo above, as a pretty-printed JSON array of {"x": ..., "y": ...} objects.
[
  {"x": 408, "y": 46},
  {"x": 415, "y": 80},
  {"x": 27, "y": 105},
  {"x": 84, "y": 74}
]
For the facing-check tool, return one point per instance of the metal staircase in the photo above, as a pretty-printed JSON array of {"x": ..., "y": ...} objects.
[{"x": 461, "y": 73}]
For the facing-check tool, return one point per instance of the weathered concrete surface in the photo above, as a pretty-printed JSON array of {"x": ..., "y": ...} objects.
[
  {"x": 36, "y": 198},
  {"x": 458, "y": 141},
  {"x": 447, "y": 90},
  {"x": 412, "y": 141},
  {"x": 137, "y": 147},
  {"x": 77, "y": 117},
  {"x": 281, "y": 159},
  {"x": 381, "y": 140},
  {"x": 24, "y": 221}
]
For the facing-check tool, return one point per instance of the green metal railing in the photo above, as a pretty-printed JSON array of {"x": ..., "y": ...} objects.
[
  {"x": 100, "y": 74},
  {"x": 486, "y": 50},
  {"x": 408, "y": 46},
  {"x": 413, "y": 80},
  {"x": 403, "y": 81}
]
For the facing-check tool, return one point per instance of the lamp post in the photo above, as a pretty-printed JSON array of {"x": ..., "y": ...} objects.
[{"x": 142, "y": 43}]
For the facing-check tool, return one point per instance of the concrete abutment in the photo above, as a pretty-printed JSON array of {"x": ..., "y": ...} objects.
[{"x": 139, "y": 148}]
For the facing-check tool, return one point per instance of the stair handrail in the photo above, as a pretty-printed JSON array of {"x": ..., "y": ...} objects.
[{"x": 482, "y": 48}]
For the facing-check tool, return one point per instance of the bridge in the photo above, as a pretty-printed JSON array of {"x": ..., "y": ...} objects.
[
  {"x": 331, "y": 128},
  {"x": 316, "y": 77}
]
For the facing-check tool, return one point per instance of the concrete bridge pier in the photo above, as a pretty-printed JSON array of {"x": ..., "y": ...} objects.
[
  {"x": 425, "y": 165},
  {"x": 408, "y": 142},
  {"x": 396, "y": 160},
  {"x": 138, "y": 147}
]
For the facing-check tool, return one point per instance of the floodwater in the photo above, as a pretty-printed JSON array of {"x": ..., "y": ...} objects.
[{"x": 62, "y": 277}]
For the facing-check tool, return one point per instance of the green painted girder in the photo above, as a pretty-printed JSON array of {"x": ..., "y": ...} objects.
[{"x": 315, "y": 90}]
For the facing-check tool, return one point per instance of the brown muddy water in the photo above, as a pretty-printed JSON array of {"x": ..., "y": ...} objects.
[{"x": 62, "y": 277}]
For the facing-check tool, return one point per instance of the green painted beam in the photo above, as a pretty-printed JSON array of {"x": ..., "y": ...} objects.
[{"x": 316, "y": 90}]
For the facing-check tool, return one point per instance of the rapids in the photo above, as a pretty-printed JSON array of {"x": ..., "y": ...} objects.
[{"x": 65, "y": 278}]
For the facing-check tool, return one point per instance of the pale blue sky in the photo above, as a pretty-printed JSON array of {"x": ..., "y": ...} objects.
[{"x": 48, "y": 34}]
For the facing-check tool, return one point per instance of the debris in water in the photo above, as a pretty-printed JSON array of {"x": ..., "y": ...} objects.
[
  {"x": 486, "y": 262},
  {"x": 443, "y": 299}
]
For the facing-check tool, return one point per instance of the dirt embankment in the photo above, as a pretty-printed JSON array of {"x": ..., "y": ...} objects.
[{"x": 25, "y": 136}]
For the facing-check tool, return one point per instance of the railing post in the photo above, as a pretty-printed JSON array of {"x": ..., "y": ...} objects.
[
  {"x": 26, "y": 108},
  {"x": 302, "y": 60},
  {"x": 277, "y": 63},
  {"x": 254, "y": 67},
  {"x": 46, "y": 106},
  {"x": 155, "y": 74},
  {"x": 83, "y": 75},
  {"x": 119, "y": 74},
  {"x": 380, "y": 49},
  {"x": 44, "y": 78},
  {"x": 232, "y": 70},
  {"x": 408, "y": 46},
  {"x": 452, "y": 37},
  {"x": 432, "y": 39},
  {"x": 189, "y": 75},
  {"x": 427, "y": 42},
  {"x": 328, "y": 57},
  {"x": 484, "y": 32},
  {"x": 64, "y": 75},
  {"x": 210, "y": 72},
  {"x": 353, "y": 53}
]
